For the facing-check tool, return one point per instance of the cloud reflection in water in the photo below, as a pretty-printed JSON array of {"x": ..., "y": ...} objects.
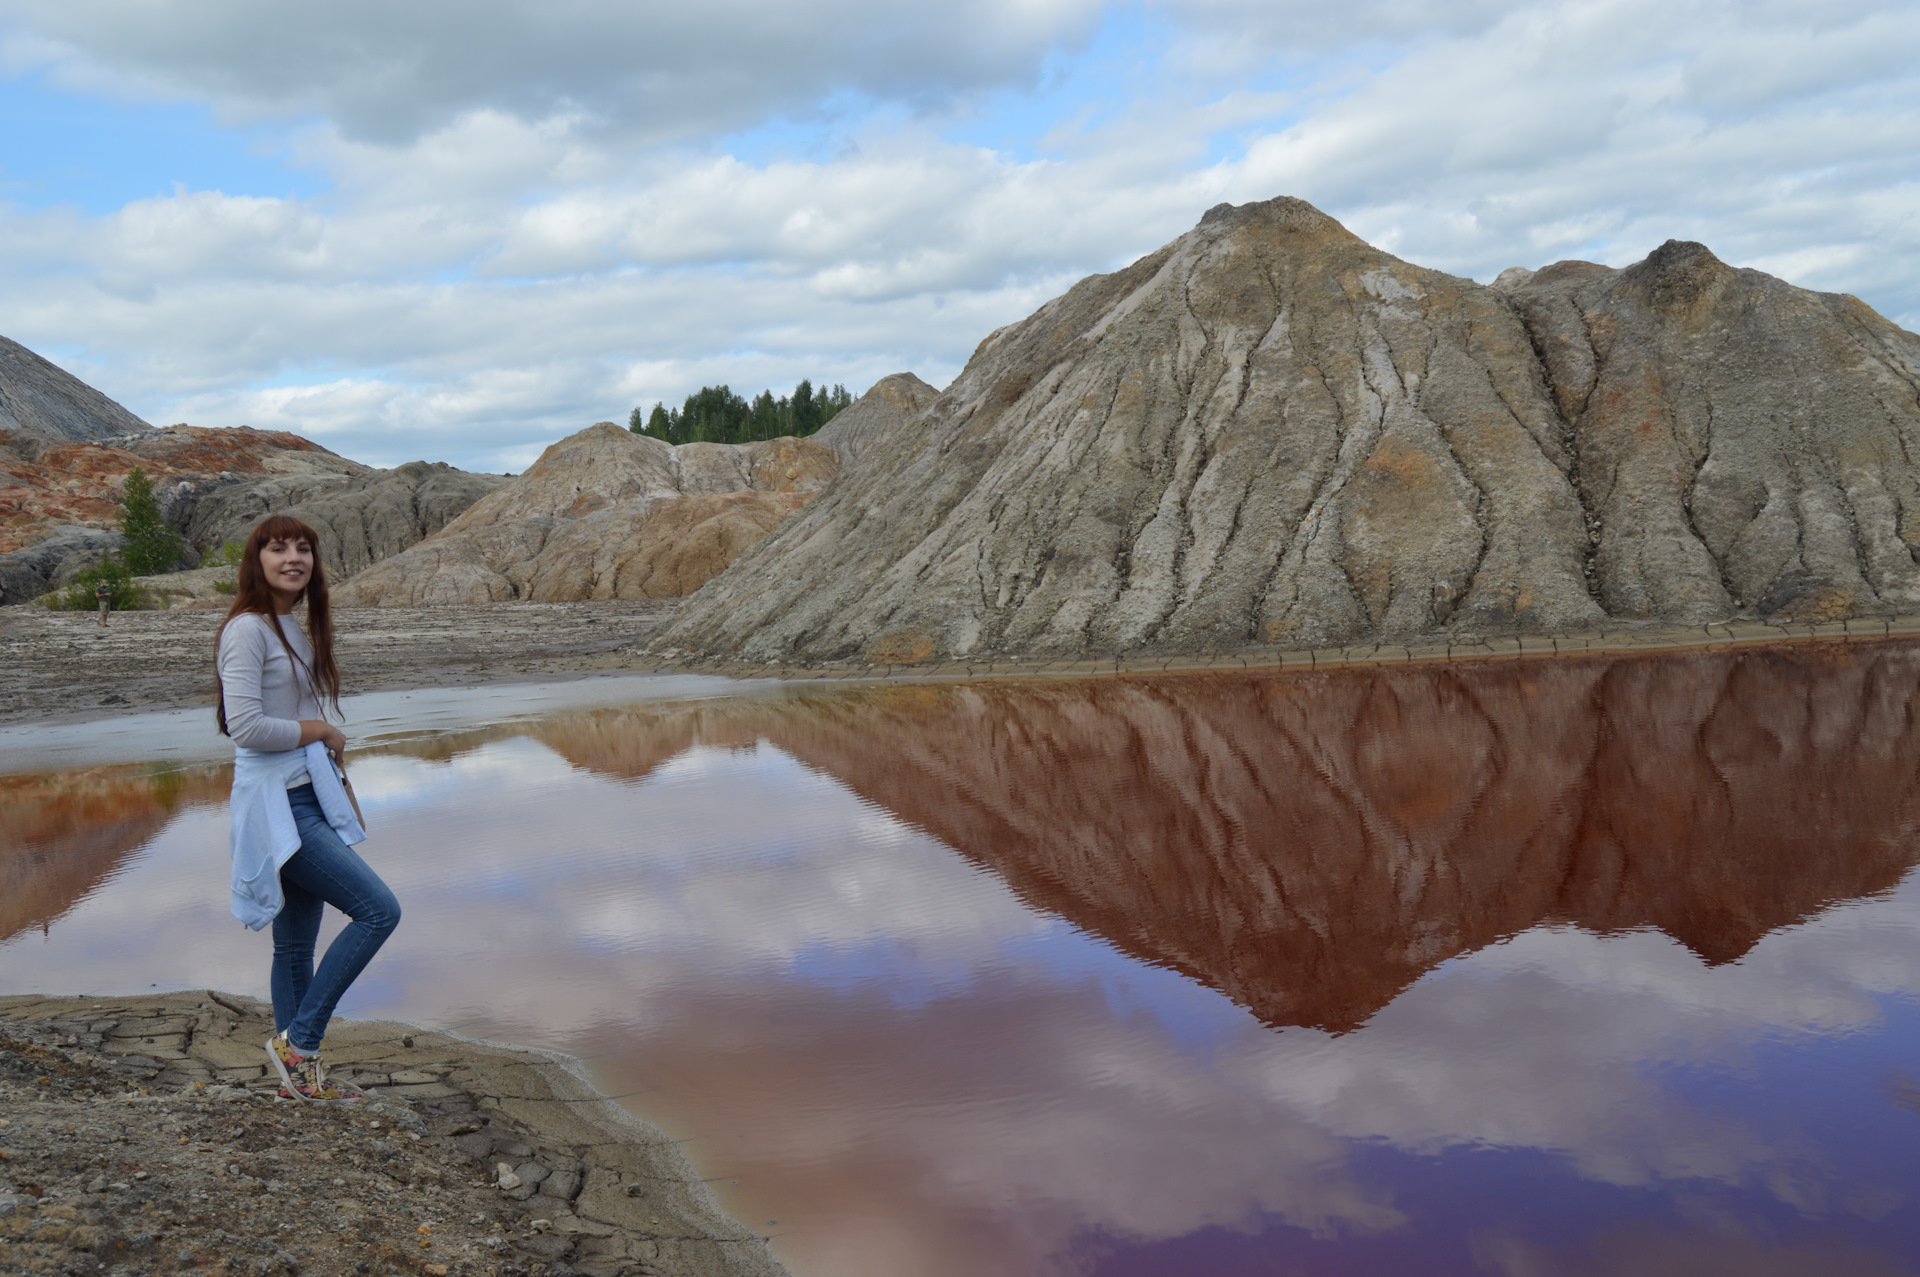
[{"x": 1442, "y": 887}]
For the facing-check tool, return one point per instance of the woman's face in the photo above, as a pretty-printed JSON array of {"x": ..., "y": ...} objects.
[{"x": 288, "y": 566}]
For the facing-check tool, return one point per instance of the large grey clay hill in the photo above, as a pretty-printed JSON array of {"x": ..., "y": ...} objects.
[
  {"x": 46, "y": 400},
  {"x": 1271, "y": 433}
]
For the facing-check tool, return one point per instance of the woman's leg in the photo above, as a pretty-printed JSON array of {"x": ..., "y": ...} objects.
[
  {"x": 295, "y": 928},
  {"x": 327, "y": 868}
]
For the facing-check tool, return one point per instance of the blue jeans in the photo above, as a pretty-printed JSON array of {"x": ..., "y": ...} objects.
[{"x": 325, "y": 871}]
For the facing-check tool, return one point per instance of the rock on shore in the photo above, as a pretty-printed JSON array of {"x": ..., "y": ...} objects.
[
  {"x": 142, "y": 1134},
  {"x": 1270, "y": 432},
  {"x": 606, "y": 514}
]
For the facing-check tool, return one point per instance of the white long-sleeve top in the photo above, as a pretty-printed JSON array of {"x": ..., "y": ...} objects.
[{"x": 265, "y": 693}]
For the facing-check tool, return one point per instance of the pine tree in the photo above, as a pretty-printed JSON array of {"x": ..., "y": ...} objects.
[
  {"x": 714, "y": 414},
  {"x": 804, "y": 422},
  {"x": 148, "y": 544}
]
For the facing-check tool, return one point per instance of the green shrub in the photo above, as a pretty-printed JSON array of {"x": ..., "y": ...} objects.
[
  {"x": 224, "y": 587},
  {"x": 228, "y": 555},
  {"x": 150, "y": 544},
  {"x": 78, "y": 596}
]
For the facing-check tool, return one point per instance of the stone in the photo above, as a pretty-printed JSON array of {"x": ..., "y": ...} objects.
[
  {"x": 1269, "y": 433},
  {"x": 547, "y": 1245},
  {"x": 65, "y": 550},
  {"x": 606, "y": 514},
  {"x": 560, "y": 1184},
  {"x": 475, "y": 1145},
  {"x": 504, "y": 1176}
]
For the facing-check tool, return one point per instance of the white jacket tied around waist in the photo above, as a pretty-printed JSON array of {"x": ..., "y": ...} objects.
[{"x": 264, "y": 836}]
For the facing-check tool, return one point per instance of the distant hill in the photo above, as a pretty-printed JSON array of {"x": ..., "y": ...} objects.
[
  {"x": 1270, "y": 433},
  {"x": 43, "y": 399},
  {"x": 66, "y": 451}
]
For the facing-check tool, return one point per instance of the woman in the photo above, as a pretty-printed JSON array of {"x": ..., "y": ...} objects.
[{"x": 293, "y": 821}]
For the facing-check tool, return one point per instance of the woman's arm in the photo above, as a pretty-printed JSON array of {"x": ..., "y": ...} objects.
[{"x": 319, "y": 729}]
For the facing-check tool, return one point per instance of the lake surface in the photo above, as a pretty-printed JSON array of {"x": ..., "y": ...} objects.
[{"x": 1596, "y": 967}]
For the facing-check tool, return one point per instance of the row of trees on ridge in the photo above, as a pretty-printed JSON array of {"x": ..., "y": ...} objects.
[{"x": 714, "y": 414}]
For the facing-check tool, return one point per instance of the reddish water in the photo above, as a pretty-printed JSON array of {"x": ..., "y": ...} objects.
[{"x": 1582, "y": 967}]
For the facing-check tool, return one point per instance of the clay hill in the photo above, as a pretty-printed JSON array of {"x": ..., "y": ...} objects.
[
  {"x": 41, "y": 398},
  {"x": 606, "y": 514},
  {"x": 603, "y": 514},
  {"x": 1271, "y": 433},
  {"x": 66, "y": 450},
  {"x": 1309, "y": 844},
  {"x": 891, "y": 403}
]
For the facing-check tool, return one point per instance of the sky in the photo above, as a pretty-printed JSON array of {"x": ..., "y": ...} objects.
[{"x": 459, "y": 231}]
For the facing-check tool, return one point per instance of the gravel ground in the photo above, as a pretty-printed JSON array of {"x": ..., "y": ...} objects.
[
  {"x": 138, "y": 1138},
  {"x": 56, "y": 665}
]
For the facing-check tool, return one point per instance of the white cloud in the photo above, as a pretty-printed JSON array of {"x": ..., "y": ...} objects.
[
  {"x": 539, "y": 217},
  {"x": 390, "y": 72}
]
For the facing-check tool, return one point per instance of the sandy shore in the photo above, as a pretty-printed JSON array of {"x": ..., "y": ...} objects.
[{"x": 142, "y": 1135}]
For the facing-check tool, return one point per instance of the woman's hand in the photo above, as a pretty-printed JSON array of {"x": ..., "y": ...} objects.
[{"x": 319, "y": 729}]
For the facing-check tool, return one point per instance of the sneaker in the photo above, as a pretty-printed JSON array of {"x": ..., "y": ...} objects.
[{"x": 303, "y": 1077}]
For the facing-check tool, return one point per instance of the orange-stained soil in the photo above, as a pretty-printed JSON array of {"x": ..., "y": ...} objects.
[{"x": 44, "y": 484}]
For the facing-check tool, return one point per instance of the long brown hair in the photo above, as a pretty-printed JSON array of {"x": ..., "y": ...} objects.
[{"x": 250, "y": 594}]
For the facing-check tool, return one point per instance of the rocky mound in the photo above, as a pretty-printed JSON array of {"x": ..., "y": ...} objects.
[
  {"x": 60, "y": 501},
  {"x": 1741, "y": 446},
  {"x": 361, "y": 518},
  {"x": 606, "y": 514},
  {"x": 1269, "y": 432},
  {"x": 40, "y": 398},
  {"x": 892, "y": 401}
]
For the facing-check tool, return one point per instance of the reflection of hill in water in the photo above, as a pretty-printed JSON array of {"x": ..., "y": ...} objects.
[
  {"x": 1310, "y": 844},
  {"x": 64, "y": 834}
]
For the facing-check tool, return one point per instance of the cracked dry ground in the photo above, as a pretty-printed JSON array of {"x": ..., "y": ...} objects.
[{"x": 138, "y": 1139}]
